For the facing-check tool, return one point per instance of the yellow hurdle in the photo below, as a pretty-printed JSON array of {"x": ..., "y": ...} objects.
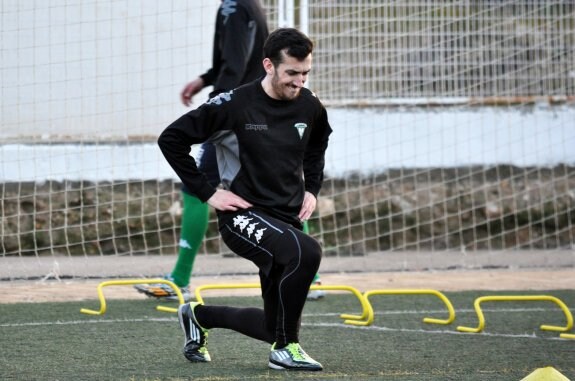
[
  {"x": 349, "y": 319},
  {"x": 440, "y": 295},
  {"x": 528, "y": 298},
  {"x": 132, "y": 282}
]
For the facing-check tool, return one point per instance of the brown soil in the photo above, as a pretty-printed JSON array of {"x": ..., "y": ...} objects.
[{"x": 74, "y": 290}]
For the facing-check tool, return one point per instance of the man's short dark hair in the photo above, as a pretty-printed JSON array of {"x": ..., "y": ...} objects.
[{"x": 295, "y": 43}]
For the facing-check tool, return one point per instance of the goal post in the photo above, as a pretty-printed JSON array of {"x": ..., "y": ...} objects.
[{"x": 452, "y": 145}]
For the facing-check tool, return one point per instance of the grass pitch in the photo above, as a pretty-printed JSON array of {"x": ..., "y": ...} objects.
[{"x": 133, "y": 341}]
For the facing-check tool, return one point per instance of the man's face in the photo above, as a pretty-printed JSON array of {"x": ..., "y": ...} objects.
[{"x": 289, "y": 77}]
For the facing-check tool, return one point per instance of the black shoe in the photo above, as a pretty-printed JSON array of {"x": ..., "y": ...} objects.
[{"x": 196, "y": 341}]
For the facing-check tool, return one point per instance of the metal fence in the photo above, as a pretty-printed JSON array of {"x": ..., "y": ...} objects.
[{"x": 376, "y": 50}]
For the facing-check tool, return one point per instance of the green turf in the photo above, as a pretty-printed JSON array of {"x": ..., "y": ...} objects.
[{"x": 133, "y": 341}]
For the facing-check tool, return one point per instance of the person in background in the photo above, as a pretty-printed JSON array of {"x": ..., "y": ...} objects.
[
  {"x": 240, "y": 33},
  {"x": 270, "y": 137}
]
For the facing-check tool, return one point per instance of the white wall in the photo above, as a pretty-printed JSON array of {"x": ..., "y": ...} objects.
[
  {"x": 101, "y": 68},
  {"x": 363, "y": 141}
]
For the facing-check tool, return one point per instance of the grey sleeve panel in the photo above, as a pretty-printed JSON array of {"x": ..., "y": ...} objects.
[
  {"x": 228, "y": 156},
  {"x": 252, "y": 30}
]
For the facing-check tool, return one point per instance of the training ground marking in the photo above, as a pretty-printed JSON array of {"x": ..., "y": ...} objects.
[
  {"x": 321, "y": 325},
  {"x": 394, "y": 312},
  {"x": 91, "y": 321},
  {"x": 432, "y": 332}
]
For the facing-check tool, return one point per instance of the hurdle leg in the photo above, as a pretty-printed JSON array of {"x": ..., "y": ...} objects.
[
  {"x": 440, "y": 295},
  {"x": 502, "y": 298},
  {"x": 102, "y": 299}
]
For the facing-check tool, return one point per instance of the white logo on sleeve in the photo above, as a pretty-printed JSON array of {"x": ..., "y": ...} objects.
[
  {"x": 220, "y": 98},
  {"x": 228, "y": 7}
]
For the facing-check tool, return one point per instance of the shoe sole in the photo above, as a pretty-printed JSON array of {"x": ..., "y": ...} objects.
[
  {"x": 194, "y": 357},
  {"x": 171, "y": 298},
  {"x": 275, "y": 366}
]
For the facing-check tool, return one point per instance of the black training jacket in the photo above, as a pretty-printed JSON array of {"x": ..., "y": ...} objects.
[
  {"x": 269, "y": 151},
  {"x": 239, "y": 37}
]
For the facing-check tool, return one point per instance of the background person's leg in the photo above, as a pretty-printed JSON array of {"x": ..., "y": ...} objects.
[
  {"x": 313, "y": 294},
  {"x": 193, "y": 228},
  {"x": 195, "y": 218}
]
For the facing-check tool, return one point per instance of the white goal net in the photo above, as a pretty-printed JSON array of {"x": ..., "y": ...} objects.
[{"x": 453, "y": 133}]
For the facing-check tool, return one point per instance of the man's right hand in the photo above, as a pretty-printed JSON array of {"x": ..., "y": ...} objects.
[
  {"x": 226, "y": 200},
  {"x": 190, "y": 90}
]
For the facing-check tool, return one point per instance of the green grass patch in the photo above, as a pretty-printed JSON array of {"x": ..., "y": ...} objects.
[{"x": 133, "y": 341}]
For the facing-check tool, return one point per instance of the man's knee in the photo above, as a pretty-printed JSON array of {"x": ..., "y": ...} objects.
[{"x": 312, "y": 251}]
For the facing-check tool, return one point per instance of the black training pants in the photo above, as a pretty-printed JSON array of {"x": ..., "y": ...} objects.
[{"x": 288, "y": 260}]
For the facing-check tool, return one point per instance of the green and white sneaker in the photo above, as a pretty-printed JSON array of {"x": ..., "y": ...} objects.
[
  {"x": 196, "y": 337},
  {"x": 292, "y": 357}
]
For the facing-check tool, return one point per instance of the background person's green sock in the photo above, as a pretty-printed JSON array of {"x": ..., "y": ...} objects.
[
  {"x": 195, "y": 215},
  {"x": 306, "y": 231}
]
